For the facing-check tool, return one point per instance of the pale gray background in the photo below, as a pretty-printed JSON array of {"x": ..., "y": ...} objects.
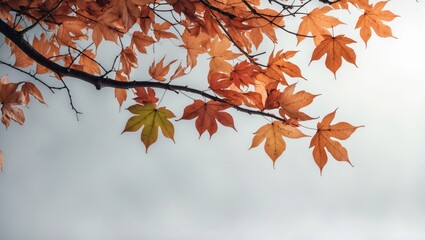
[{"x": 65, "y": 179}]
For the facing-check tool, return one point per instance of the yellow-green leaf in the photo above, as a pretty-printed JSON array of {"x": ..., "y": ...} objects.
[{"x": 150, "y": 118}]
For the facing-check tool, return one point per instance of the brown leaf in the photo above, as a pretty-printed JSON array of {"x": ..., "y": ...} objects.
[
  {"x": 145, "y": 96},
  {"x": 207, "y": 114}
]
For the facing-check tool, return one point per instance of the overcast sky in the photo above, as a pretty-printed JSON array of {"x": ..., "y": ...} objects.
[{"x": 68, "y": 179}]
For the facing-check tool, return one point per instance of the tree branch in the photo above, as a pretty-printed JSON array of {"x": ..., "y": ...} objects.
[{"x": 102, "y": 81}]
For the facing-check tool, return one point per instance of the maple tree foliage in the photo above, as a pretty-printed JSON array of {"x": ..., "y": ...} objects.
[{"x": 251, "y": 67}]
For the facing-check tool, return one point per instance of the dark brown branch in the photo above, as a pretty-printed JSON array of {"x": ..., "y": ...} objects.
[
  {"x": 208, "y": 5},
  {"x": 100, "y": 82}
]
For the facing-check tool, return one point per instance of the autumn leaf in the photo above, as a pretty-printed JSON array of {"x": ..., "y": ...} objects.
[
  {"x": 30, "y": 89},
  {"x": 102, "y": 31},
  {"x": 21, "y": 59},
  {"x": 290, "y": 103},
  {"x": 145, "y": 96},
  {"x": 323, "y": 139},
  {"x": 42, "y": 46},
  {"x": 159, "y": 30},
  {"x": 124, "y": 13},
  {"x": 128, "y": 60},
  {"x": 373, "y": 19},
  {"x": 336, "y": 48},
  {"x": 70, "y": 32},
  {"x": 243, "y": 74},
  {"x": 273, "y": 134},
  {"x": 179, "y": 72},
  {"x": 194, "y": 47},
  {"x": 141, "y": 41},
  {"x": 158, "y": 70},
  {"x": 277, "y": 66},
  {"x": 207, "y": 114},
  {"x": 151, "y": 119},
  {"x": 88, "y": 62},
  {"x": 10, "y": 97},
  {"x": 120, "y": 94},
  {"x": 317, "y": 23},
  {"x": 343, "y": 4},
  {"x": 219, "y": 54}
]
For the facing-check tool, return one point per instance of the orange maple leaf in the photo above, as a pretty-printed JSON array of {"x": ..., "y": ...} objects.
[
  {"x": 336, "y": 48},
  {"x": 10, "y": 97},
  {"x": 323, "y": 139},
  {"x": 141, "y": 41},
  {"x": 290, "y": 103},
  {"x": 194, "y": 46},
  {"x": 179, "y": 72},
  {"x": 123, "y": 13},
  {"x": 145, "y": 96},
  {"x": 277, "y": 66},
  {"x": 159, "y": 30},
  {"x": 374, "y": 18},
  {"x": 103, "y": 30},
  {"x": 158, "y": 70},
  {"x": 207, "y": 114},
  {"x": 343, "y": 4},
  {"x": 317, "y": 23},
  {"x": 243, "y": 74},
  {"x": 42, "y": 46},
  {"x": 21, "y": 59},
  {"x": 71, "y": 31},
  {"x": 128, "y": 60},
  {"x": 273, "y": 133},
  {"x": 30, "y": 89},
  {"x": 219, "y": 54},
  {"x": 120, "y": 94},
  {"x": 89, "y": 64}
]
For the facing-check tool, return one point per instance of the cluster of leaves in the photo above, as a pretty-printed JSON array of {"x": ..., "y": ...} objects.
[
  {"x": 64, "y": 37},
  {"x": 11, "y": 98}
]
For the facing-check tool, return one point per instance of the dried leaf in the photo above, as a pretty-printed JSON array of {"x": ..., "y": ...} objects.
[
  {"x": 273, "y": 134},
  {"x": 323, "y": 140},
  {"x": 207, "y": 114},
  {"x": 336, "y": 48}
]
